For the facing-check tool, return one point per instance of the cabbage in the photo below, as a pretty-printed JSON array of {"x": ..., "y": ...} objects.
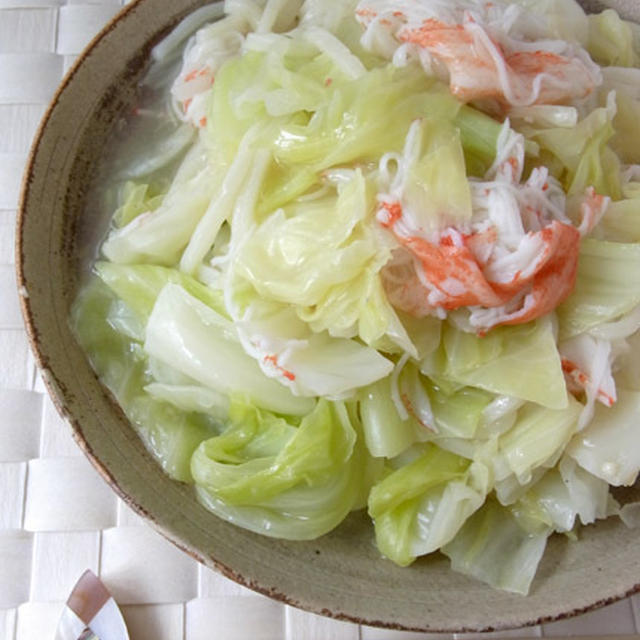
[
  {"x": 309, "y": 363},
  {"x": 136, "y": 200},
  {"x": 191, "y": 397},
  {"x": 160, "y": 235},
  {"x": 322, "y": 257},
  {"x": 509, "y": 490},
  {"x": 434, "y": 188},
  {"x": 607, "y": 447},
  {"x": 279, "y": 479},
  {"x": 378, "y": 322},
  {"x": 330, "y": 14},
  {"x": 494, "y": 362},
  {"x": 569, "y": 493},
  {"x": 497, "y": 547},
  {"x": 350, "y": 65},
  {"x": 297, "y": 258},
  {"x": 110, "y": 351},
  {"x": 445, "y": 410},
  {"x": 622, "y": 220},
  {"x": 611, "y": 40},
  {"x": 247, "y": 170},
  {"x": 479, "y": 137},
  {"x": 286, "y": 81},
  {"x": 386, "y": 434},
  {"x": 283, "y": 184},
  {"x": 421, "y": 506},
  {"x": 424, "y": 333},
  {"x": 624, "y": 81},
  {"x": 607, "y": 286},
  {"x": 138, "y": 286},
  {"x": 334, "y": 367},
  {"x": 459, "y": 413},
  {"x": 537, "y": 439},
  {"x": 170, "y": 434},
  {"x": 626, "y": 141},
  {"x": 583, "y": 153},
  {"x": 364, "y": 118},
  {"x": 191, "y": 337},
  {"x": 185, "y": 28},
  {"x": 563, "y": 19}
]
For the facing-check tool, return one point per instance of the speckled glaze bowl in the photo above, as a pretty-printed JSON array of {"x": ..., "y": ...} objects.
[{"x": 340, "y": 575}]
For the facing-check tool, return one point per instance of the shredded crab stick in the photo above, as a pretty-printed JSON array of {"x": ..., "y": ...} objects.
[
  {"x": 592, "y": 208},
  {"x": 578, "y": 381},
  {"x": 273, "y": 360},
  {"x": 516, "y": 261},
  {"x": 480, "y": 68},
  {"x": 202, "y": 59},
  {"x": 482, "y": 48},
  {"x": 189, "y": 90},
  {"x": 586, "y": 362},
  {"x": 455, "y": 278}
]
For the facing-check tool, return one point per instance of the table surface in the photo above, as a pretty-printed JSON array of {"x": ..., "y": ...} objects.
[{"x": 57, "y": 517}]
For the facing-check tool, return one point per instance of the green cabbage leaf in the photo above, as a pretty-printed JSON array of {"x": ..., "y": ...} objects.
[{"x": 282, "y": 479}]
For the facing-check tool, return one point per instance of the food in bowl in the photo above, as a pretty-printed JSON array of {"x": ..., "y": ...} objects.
[{"x": 382, "y": 255}]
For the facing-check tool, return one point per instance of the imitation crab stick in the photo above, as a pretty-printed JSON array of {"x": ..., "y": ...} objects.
[
  {"x": 456, "y": 278},
  {"x": 480, "y": 68},
  {"x": 483, "y": 51}
]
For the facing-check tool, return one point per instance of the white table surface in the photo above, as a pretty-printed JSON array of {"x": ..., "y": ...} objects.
[{"x": 57, "y": 517}]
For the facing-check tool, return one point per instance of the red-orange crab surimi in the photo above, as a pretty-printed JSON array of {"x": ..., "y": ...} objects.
[
  {"x": 535, "y": 250},
  {"x": 592, "y": 208},
  {"x": 190, "y": 91},
  {"x": 480, "y": 68},
  {"x": 454, "y": 277},
  {"x": 555, "y": 280},
  {"x": 579, "y": 381},
  {"x": 453, "y": 271},
  {"x": 586, "y": 362},
  {"x": 481, "y": 244},
  {"x": 273, "y": 360},
  {"x": 193, "y": 82}
]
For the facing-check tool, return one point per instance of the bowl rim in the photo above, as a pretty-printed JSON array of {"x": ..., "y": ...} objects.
[{"x": 58, "y": 394}]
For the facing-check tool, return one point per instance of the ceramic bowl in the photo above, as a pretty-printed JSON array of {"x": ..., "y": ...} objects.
[{"x": 341, "y": 574}]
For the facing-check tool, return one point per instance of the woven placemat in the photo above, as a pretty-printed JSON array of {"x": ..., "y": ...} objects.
[{"x": 57, "y": 517}]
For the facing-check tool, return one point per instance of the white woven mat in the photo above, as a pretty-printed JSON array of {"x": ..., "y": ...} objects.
[{"x": 57, "y": 517}]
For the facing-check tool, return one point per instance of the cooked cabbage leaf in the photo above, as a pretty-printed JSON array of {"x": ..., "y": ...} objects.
[
  {"x": 583, "y": 154},
  {"x": 494, "y": 362},
  {"x": 607, "y": 448},
  {"x": 273, "y": 477},
  {"x": 607, "y": 286},
  {"x": 169, "y": 433},
  {"x": 421, "y": 506},
  {"x": 159, "y": 235},
  {"x": 496, "y": 547},
  {"x": 193, "y": 338},
  {"x": 611, "y": 40}
]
